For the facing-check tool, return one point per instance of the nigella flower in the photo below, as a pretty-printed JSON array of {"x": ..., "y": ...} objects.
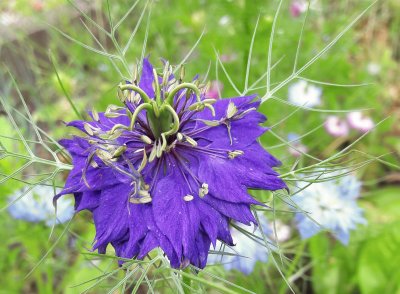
[
  {"x": 359, "y": 122},
  {"x": 170, "y": 168},
  {"x": 37, "y": 206},
  {"x": 249, "y": 248},
  {"x": 336, "y": 127},
  {"x": 279, "y": 231},
  {"x": 329, "y": 205},
  {"x": 304, "y": 94}
]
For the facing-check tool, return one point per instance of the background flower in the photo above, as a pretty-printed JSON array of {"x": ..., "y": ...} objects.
[
  {"x": 336, "y": 127},
  {"x": 37, "y": 206},
  {"x": 247, "y": 250},
  {"x": 360, "y": 122},
  {"x": 305, "y": 94},
  {"x": 329, "y": 205}
]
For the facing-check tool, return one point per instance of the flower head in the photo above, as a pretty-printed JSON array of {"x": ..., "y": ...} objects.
[
  {"x": 336, "y": 126},
  {"x": 170, "y": 168},
  {"x": 247, "y": 250},
  {"x": 302, "y": 93},
  {"x": 329, "y": 205},
  {"x": 359, "y": 122},
  {"x": 37, "y": 206}
]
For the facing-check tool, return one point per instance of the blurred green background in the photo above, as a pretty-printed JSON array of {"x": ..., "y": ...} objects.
[{"x": 32, "y": 30}]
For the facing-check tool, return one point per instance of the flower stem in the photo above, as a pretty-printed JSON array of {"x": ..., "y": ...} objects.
[{"x": 293, "y": 265}]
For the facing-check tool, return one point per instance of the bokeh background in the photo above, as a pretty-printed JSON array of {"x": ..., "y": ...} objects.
[{"x": 35, "y": 49}]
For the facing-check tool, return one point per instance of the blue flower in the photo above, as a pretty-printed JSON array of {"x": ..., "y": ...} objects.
[
  {"x": 170, "y": 168},
  {"x": 247, "y": 250},
  {"x": 37, "y": 206},
  {"x": 329, "y": 205}
]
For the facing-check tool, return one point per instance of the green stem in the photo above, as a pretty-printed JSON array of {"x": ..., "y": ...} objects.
[
  {"x": 193, "y": 277},
  {"x": 293, "y": 265},
  {"x": 187, "y": 281},
  {"x": 175, "y": 126},
  {"x": 137, "y": 111}
]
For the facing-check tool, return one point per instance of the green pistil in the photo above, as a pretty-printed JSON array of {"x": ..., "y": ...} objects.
[
  {"x": 162, "y": 118},
  {"x": 189, "y": 86},
  {"x": 135, "y": 88}
]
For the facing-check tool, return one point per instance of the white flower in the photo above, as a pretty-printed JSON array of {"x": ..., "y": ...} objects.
[
  {"x": 225, "y": 20},
  {"x": 359, "y": 122},
  {"x": 280, "y": 232},
  {"x": 37, "y": 206},
  {"x": 373, "y": 68},
  {"x": 8, "y": 18},
  {"x": 246, "y": 252},
  {"x": 302, "y": 93},
  {"x": 336, "y": 127},
  {"x": 329, "y": 205}
]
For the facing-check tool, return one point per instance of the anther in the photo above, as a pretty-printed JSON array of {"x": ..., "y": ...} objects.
[
  {"x": 232, "y": 110},
  {"x": 153, "y": 152},
  {"x": 182, "y": 74},
  {"x": 95, "y": 114},
  {"x": 179, "y": 137},
  {"x": 135, "y": 74},
  {"x": 203, "y": 191},
  {"x": 233, "y": 154},
  {"x": 190, "y": 140},
  {"x": 146, "y": 139},
  {"x": 119, "y": 151},
  {"x": 211, "y": 123},
  {"x": 120, "y": 94},
  {"x": 88, "y": 128},
  {"x": 188, "y": 198}
]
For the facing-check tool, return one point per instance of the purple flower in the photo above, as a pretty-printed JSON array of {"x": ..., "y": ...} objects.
[
  {"x": 336, "y": 127},
  {"x": 170, "y": 169}
]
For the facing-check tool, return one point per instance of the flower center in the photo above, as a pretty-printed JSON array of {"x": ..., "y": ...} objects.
[{"x": 170, "y": 107}]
